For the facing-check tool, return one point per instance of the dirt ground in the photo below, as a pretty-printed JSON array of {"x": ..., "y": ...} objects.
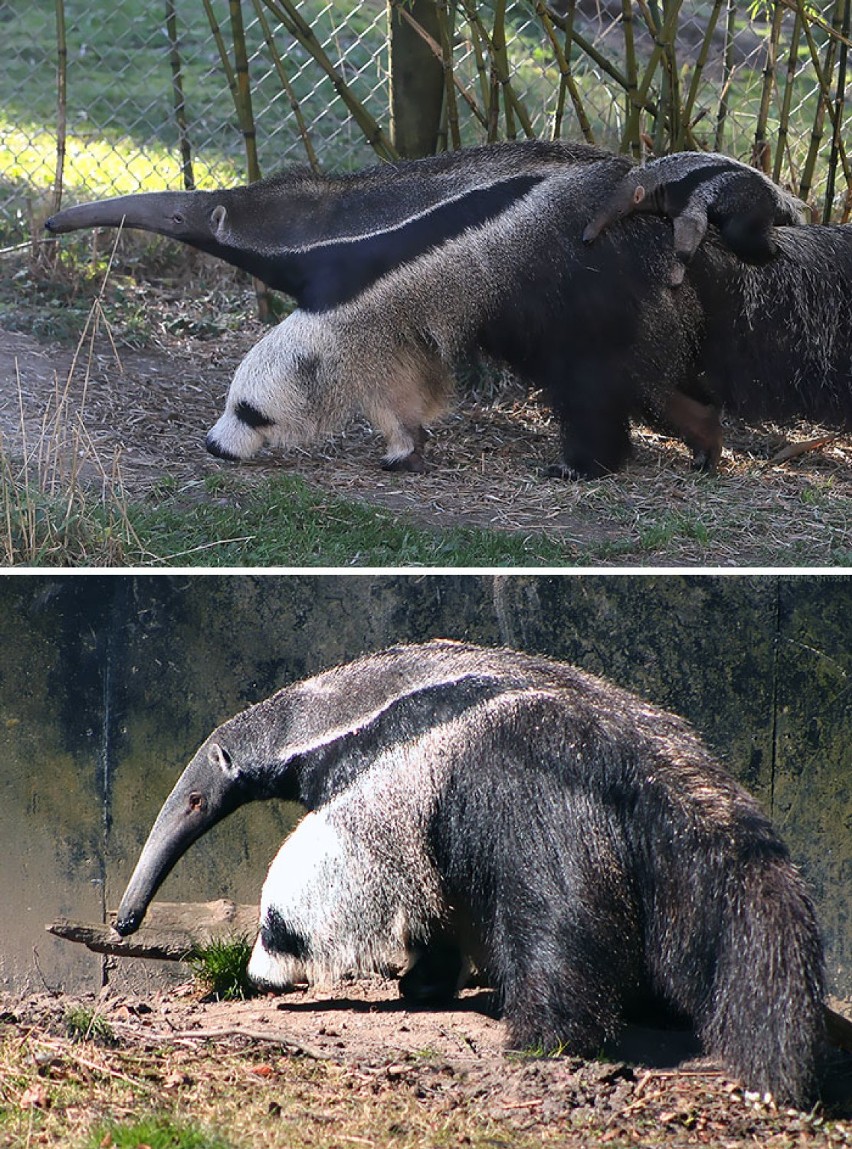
[
  {"x": 150, "y": 410},
  {"x": 449, "y": 1064}
]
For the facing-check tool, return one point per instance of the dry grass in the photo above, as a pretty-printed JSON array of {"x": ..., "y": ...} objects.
[
  {"x": 63, "y": 499},
  {"x": 486, "y": 463},
  {"x": 194, "y": 1067}
]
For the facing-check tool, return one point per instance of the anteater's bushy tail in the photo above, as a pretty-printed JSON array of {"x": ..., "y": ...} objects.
[{"x": 765, "y": 1015}]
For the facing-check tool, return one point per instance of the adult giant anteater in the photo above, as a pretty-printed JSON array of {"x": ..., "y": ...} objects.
[
  {"x": 577, "y": 844},
  {"x": 403, "y": 270}
]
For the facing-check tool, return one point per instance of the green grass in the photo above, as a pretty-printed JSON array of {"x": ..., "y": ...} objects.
[
  {"x": 285, "y": 522},
  {"x": 221, "y": 968},
  {"x": 121, "y": 130},
  {"x": 84, "y": 1024},
  {"x": 671, "y": 528},
  {"x": 281, "y": 522},
  {"x": 153, "y": 1133},
  {"x": 229, "y": 521},
  {"x": 122, "y": 135}
]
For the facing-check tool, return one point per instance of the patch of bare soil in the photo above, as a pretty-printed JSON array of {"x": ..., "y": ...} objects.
[
  {"x": 440, "y": 1070},
  {"x": 151, "y": 409}
]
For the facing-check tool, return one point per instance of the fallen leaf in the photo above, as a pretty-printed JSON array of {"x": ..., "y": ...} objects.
[
  {"x": 34, "y": 1097},
  {"x": 175, "y": 1078}
]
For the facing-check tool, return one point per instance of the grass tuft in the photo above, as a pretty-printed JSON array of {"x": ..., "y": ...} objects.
[
  {"x": 220, "y": 967},
  {"x": 153, "y": 1133},
  {"x": 62, "y": 503},
  {"x": 85, "y": 1024}
]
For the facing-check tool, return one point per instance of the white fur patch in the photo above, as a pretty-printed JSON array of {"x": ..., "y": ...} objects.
[
  {"x": 279, "y": 378},
  {"x": 355, "y": 879}
]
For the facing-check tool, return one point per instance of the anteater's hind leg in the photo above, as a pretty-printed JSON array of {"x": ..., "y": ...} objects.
[
  {"x": 698, "y": 425},
  {"x": 593, "y": 408},
  {"x": 558, "y": 990}
]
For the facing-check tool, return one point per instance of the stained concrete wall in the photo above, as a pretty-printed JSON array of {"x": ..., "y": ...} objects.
[{"x": 108, "y": 684}]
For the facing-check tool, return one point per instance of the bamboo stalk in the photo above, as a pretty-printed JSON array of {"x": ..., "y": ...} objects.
[
  {"x": 659, "y": 32},
  {"x": 491, "y": 101},
  {"x": 245, "y": 117},
  {"x": 219, "y": 41},
  {"x": 438, "y": 51},
  {"x": 559, "y": 110},
  {"x": 727, "y": 74},
  {"x": 500, "y": 79},
  {"x": 671, "y": 15},
  {"x": 566, "y": 78},
  {"x": 281, "y": 72},
  {"x": 781, "y": 145},
  {"x": 700, "y": 63},
  {"x": 818, "y": 22},
  {"x": 631, "y": 137},
  {"x": 500, "y": 61},
  {"x": 61, "y": 104},
  {"x": 446, "y": 58},
  {"x": 285, "y": 11},
  {"x": 597, "y": 58},
  {"x": 825, "y": 105},
  {"x": 761, "y": 150},
  {"x": 481, "y": 70},
  {"x": 178, "y": 99},
  {"x": 245, "y": 111},
  {"x": 842, "y": 18}
]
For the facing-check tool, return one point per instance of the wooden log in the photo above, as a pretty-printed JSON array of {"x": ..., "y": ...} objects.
[{"x": 170, "y": 932}]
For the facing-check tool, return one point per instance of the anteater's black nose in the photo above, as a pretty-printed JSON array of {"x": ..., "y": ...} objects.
[{"x": 216, "y": 448}]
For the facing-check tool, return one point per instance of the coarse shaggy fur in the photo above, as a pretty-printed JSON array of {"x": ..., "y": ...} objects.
[
  {"x": 407, "y": 268},
  {"x": 577, "y": 844},
  {"x": 695, "y": 189},
  {"x": 595, "y": 327}
]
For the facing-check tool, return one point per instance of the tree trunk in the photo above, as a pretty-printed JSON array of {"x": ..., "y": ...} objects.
[{"x": 416, "y": 79}]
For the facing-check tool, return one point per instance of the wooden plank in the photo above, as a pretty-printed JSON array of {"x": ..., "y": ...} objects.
[{"x": 170, "y": 931}]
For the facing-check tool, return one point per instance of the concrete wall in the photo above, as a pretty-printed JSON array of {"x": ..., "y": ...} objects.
[{"x": 109, "y": 683}]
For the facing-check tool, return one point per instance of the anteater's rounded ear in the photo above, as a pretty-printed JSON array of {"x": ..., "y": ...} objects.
[
  {"x": 218, "y": 217},
  {"x": 638, "y": 195},
  {"x": 219, "y": 757}
]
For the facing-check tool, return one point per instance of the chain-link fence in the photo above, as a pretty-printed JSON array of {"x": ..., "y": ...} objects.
[{"x": 113, "y": 96}]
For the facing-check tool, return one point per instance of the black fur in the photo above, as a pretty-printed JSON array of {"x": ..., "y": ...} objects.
[
  {"x": 278, "y": 936},
  {"x": 593, "y": 327},
  {"x": 598, "y": 331},
  {"x": 435, "y": 976},
  {"x": 331, "y": 275},
  {"x": 219, "y": 451},
  {"x": 250, "y": 415}
]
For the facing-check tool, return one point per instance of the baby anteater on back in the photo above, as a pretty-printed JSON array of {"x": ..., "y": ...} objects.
[{"x": 697, "y": 188}]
